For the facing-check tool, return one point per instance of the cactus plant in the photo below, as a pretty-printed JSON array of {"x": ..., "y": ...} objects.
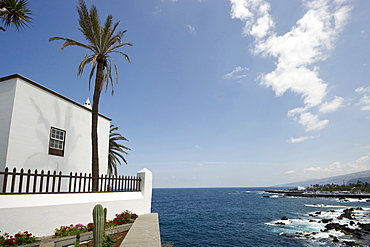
[{"x": 99, "y": 217}]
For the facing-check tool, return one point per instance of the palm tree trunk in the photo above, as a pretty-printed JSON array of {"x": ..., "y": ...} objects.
[{"x": 94, "y": 127}]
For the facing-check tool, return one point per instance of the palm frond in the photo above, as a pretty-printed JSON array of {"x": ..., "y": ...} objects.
[
  {"x": 95, "y": 25},
  {"x": 106, "y": 31},
  {"x": 16, "y": 13},
  {"x": 85, "y": 22},
  {"x": 116, "y": 150},
  {"x": 102, "y": 40},
  {"x": 87, "y": 59},
  {"x": 69, "y": 42},
  {"x": 123, "y": 54}
]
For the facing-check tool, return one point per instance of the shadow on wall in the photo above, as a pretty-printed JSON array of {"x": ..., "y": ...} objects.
[{"x": 42, "y": 160}]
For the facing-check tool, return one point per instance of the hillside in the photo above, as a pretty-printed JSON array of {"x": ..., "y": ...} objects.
[{"x": 363, "y": 176}]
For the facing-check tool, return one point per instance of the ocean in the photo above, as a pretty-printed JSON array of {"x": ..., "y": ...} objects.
[{"x": 246, "y": 217}]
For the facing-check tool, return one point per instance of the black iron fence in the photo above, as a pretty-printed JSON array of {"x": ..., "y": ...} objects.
[{"x": 21, "y": 182}]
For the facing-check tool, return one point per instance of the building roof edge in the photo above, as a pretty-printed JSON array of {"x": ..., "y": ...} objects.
[{"x": 18, "y": 76}]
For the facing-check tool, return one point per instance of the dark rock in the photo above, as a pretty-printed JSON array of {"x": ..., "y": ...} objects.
[
  {"x": 344, "y": 229},
  {"x": 347, "y": 213},
  {"x": 350, "y": 243},
  {"x": 291, "y": 235},
  {"x": 335, "y": 239},
  {"x": 365, "y": 226},
  {"x": 326, "y": 220},
  {"x": 284, "y": 218},
  {"x": 280, "y": 223}
]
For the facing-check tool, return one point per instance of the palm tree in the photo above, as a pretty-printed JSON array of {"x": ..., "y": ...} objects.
[
  {"x": 101, "y": 42},
  {"x": 16, "y": 13},
  {"x": 115, "y": 150}
]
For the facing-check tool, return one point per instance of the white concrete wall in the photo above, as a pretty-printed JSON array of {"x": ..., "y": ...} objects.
[
  {"x": 34, "y": 111},
  {"x": 7, "y": 91},
  {"x": 41, "y": 214}
]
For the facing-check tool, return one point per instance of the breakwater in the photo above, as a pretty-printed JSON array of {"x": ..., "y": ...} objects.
[{"x": 314, "y": 194}]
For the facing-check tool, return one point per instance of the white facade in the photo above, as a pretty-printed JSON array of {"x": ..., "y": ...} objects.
[{"x": 28, "y": 111}]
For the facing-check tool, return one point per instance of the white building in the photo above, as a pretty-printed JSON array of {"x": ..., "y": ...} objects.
[{"x": 41, "y": 129}]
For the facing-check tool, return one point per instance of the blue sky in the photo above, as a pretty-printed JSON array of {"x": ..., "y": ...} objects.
[{"x": 220, "y": 93}]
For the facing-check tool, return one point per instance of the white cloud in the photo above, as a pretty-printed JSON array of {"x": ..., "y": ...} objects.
[
  {"x": 237, "y": 73},
  {"x": 312, "y": 169},
  {"x": 258, "y": 21},
  {"x": 360, "y": 164},
  {"x": 364, "y": 102},
  {"x": 297, "y": 51},
  {"x": 362, "y": 90},
  {"x": 332, "y": 106},
  {"x": 302, "y": 138},
  {"x": 289, "y": 172},
  {"x": 191, "y": 29},
  {"x": 335, "y": 169},
  {"x": 311, "y": 121}
]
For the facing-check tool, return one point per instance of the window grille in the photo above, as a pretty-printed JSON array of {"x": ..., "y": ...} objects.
[{"x": 57, "y": 141}]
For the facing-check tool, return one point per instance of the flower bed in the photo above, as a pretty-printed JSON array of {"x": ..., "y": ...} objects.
[
  {"x": 71, "y": 231},
  {"x": 18, "y": 239}
]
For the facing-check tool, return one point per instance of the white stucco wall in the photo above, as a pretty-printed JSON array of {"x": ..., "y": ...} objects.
[
  {"x": 30, "y": 114},
  {"x": 7, "y": 91},
  {"x": 41, "y": 214}
]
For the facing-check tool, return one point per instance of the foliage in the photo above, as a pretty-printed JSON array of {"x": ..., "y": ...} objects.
[
  {"x": 353, "y": 188},
  {"x": 120, "y": 219},
  {"x": 70, "y": 230},
  {"x": 77, "y": 243},
  {"x": 16, "y": 13},
  {"x": 109, "y": 241},
  {"x": 115, "y": 150},
  {"x": 102, "y": 40},
  {"x": 18, "y": 239}
]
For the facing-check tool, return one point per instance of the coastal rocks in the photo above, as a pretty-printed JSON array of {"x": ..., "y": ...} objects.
[
  {"x": 326, "y": 220},
  {"x": 358, "y": 233},
  {"x": 284, "y": 218},
  {"x": 365, "y": 227},
  {"x": 347, "y": 213},
  {"x": 348, "y": 227}
]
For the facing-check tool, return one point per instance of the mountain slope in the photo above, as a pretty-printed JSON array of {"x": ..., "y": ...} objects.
[{"x": 363, "y": 176}]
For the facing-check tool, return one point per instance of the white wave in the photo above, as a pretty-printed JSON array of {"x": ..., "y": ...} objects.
[
  {"x": 324, "y": 206},
  {"x": 276, "y": 196},
  {"x": 353, "y": 200}
]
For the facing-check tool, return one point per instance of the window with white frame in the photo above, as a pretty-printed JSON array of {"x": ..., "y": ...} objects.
[{"x": 57, "y": 141}]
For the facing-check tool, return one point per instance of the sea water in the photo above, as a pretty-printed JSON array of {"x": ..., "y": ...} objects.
[{"x": 241, "y": 217}]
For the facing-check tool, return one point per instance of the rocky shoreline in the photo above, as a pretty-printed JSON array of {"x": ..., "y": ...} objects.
[
  {"x": 348, "y": 227},
  {"x": 318, "y": 194}
]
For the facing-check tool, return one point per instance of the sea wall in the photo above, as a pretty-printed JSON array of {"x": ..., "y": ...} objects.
[{"x": 40, "y": 214}]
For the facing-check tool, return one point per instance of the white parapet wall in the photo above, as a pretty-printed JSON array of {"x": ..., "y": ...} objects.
[{"x": 41, "y": 214}]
